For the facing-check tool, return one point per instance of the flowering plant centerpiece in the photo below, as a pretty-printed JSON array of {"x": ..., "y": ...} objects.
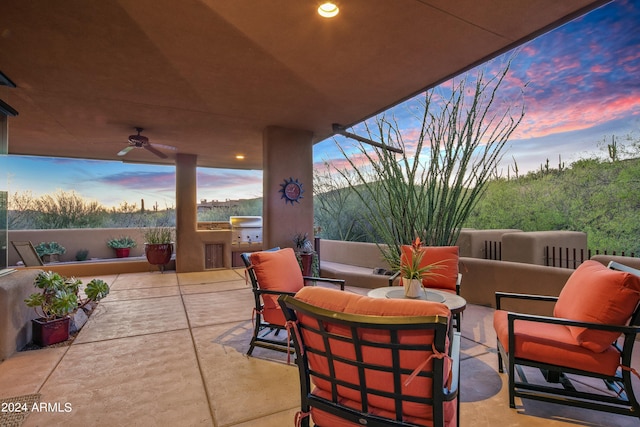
[
  {"x": 413, "y": 270},
  {"x": 410, "y": 264}
]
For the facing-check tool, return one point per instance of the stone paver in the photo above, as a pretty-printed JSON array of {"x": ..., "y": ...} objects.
[{"x": 168, "y": 349}]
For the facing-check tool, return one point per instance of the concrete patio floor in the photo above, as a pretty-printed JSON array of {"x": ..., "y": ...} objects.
[{"x": 167, "y": 349}]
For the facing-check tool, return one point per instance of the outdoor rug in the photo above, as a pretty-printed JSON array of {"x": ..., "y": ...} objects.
[
  {"x": 239, "y": 336},
  {"x": 14, "y": 410}
]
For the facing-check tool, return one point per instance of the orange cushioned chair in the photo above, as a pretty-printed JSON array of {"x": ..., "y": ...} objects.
[
  {"x": 445, "y": 276},
  {"x": 373, "y": 362},
  {"x": 595, "y": 308},
  {"x": 272, "y": 273}
]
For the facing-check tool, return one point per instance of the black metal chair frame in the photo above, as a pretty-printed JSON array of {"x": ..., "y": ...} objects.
[
  {"x": 261, "y": 328},
  {"x": 624, "y": 402},
  {"x": 394, "y": 325}
]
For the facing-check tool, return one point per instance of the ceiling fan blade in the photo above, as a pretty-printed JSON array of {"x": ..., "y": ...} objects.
[
  {"x": 126, "y": 150},
  {"x": 165, "y": 147},
  {"x": 154, "y": 151}
]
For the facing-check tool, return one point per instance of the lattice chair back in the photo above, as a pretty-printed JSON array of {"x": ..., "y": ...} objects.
[{"x": 374, "y": 362}]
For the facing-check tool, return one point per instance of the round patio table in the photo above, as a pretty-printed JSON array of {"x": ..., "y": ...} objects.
[{"x": 454, "y": 302}]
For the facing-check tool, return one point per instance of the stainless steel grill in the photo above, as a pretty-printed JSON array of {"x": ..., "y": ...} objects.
[{"x": 246, "y": 229}]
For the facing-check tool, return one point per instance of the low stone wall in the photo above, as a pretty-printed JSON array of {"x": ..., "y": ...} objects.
[
  {"x": 482, "y": 278},
  {"x": 74, "y": 239},
  {"x": 472, "y": 242},
  {"x": 628, "y": 261},
  {"x": 529, "y": 247},
  {"x": 15, "y": 316},
  {"x": 353, "y": 262},
  {"x": 105, "y": 267}
]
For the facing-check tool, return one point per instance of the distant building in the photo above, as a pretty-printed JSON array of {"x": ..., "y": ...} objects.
[{"x": 207, "y": 205}]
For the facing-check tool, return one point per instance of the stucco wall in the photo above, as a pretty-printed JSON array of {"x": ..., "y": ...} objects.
[
  {"x": 472, "y": 242},
  {"x": 287, "y": 154},
  {"x": 75, "y": 239},
  {"x": 482, "y": 278},
  {"x": 529, "y": 247}
]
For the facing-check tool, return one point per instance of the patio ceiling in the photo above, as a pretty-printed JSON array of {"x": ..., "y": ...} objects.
[{"x": 207, "y": 76}]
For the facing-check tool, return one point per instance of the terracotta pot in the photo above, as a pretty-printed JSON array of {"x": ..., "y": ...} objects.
[
  {"x": 306, "y": 260},
  {"x": 158, "y": 253},
  {"x": 51, "y": 332},
  {"x": 412, "y": 287},
  {"x": 49, "y": 258},
  {"x": 122, "y": 252}
]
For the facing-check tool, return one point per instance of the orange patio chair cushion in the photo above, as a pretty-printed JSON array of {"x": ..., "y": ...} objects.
[
  {"x": 595, "y": 293},
  {"x": 554, "y": 344},
  {"x": 276, "y": 271},
  {"x": 445, "y": 274},
  {"x": 357, "y": 304}
]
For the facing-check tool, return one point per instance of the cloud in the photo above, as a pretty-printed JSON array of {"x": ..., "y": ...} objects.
[
  {"x": 228, "y": 178},
  {"x": 146, "y": 180}
]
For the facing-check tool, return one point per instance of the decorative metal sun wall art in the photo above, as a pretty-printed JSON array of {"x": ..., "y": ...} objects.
[{"x": 291, "y": 190}]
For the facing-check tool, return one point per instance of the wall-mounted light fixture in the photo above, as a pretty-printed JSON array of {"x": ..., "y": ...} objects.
[
  {"x": 328, "y": 10},
  {"x": 340, "y": 130},
  {"x": 7, "y": 110},
  {"x": 6, "y": 81}
]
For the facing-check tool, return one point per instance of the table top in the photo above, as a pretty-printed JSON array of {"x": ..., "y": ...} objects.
[{"x": 454, "y": 302}]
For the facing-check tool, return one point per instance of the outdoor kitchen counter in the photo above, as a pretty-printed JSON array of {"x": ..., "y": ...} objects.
[
  {"x": 246, "y": 247},
  {"x": 217, "y": 247}
]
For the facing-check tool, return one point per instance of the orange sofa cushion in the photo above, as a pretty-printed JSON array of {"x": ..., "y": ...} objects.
[
  {"x": 553, "y": 344},
  {"x": 357, "y": 304},
  {"x": 595, "y": 293},
  {"x": 445, "y": 274},
  {"x": 276, "y": 271}
]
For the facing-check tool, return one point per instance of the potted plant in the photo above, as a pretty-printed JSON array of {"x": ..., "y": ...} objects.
[
  {"x": 122, "y": 245},
  {"x": 305, "y": 253},
  {"x": 302, "y": 242},
  {"x": 60, "y": 297},
  {"x": 411, "y": 269},
  {"x": 82, "y": 254},
  {"x": 50, "y": 252},
  {"x": 158, "y": 245}
]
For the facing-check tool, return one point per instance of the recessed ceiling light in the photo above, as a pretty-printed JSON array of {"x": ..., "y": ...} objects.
[
  {"x": 240, "y": 156},
  {"x": 328, "y": 10}
]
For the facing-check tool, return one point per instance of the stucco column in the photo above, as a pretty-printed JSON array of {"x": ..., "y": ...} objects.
[
  {"x": 189, "y": 253},
  {"x": 287, "y": 155}
]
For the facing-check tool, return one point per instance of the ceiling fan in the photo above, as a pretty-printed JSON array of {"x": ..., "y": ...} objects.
[{"x": 140, "y": 141}]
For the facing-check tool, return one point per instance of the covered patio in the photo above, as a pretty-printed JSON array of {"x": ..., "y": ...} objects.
[
  {"x": 168, "y": 349},
  {"x": 212, "y": 80},
  {"x": 239, "y": 85}
]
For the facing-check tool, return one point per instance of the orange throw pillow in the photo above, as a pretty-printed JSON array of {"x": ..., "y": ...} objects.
[
  {"x": 444, "y": 275},
  {"x": 277, "y": 271},
  {"x": 595, "y": 293}
]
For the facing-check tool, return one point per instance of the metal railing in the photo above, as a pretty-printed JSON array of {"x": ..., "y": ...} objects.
[
  {"x": 553, "y": 256},
  {"x": 493, "y": 250},
  {"x": 572, "y": 257}
]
